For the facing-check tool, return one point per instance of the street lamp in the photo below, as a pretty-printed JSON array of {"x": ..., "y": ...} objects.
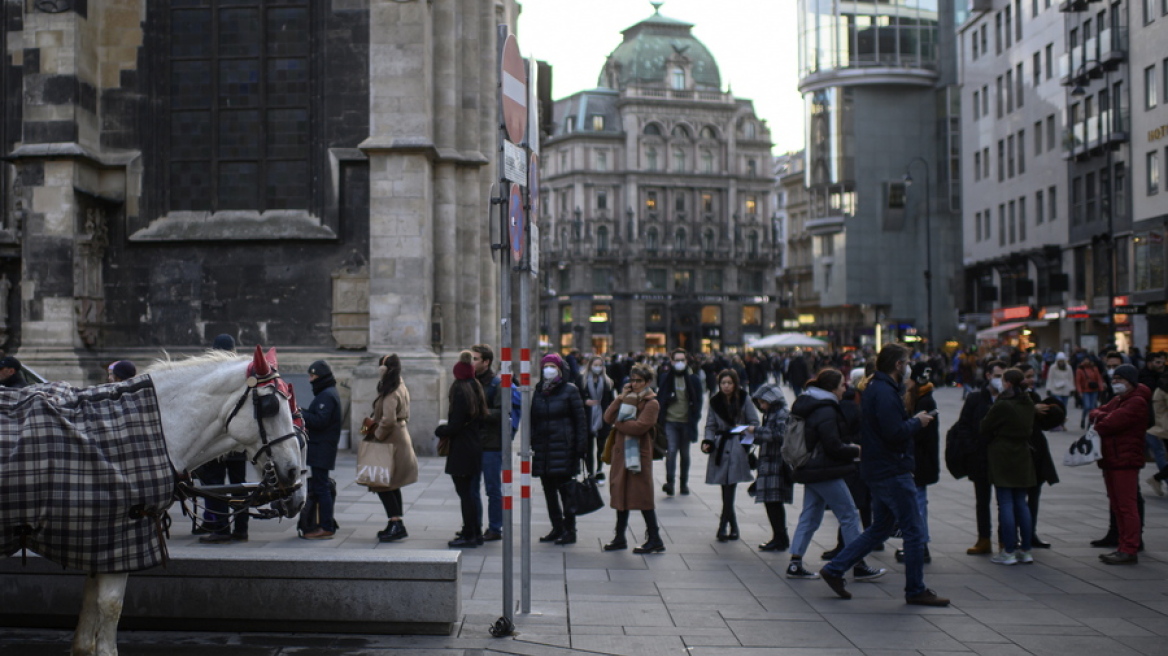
[{"x": 928, "y": 243}]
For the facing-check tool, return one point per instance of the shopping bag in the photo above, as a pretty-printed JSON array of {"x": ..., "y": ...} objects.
[
  {"x": 1085, "y": 450},
  {"x": 374, "y": 463}
]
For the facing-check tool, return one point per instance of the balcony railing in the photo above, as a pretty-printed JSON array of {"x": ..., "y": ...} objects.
[{"x": 1091, "y": 136}]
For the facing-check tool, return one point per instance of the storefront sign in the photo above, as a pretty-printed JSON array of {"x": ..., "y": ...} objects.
[
  {"x": 1078, "y": 312},
  {"x": 1130, "y": 309},
  {"x": 1012, "y": 313},
  {"x": 806, "y": 318}
]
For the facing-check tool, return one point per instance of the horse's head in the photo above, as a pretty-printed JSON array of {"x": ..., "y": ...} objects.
[{"x": 270, "y": 438}]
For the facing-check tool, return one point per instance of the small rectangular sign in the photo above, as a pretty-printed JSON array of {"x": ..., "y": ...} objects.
[
  {"x": 514, "y": 163},
  {"x": 533, "y": 248}
]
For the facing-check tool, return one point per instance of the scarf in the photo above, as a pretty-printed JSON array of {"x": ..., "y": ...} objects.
[{"x": 596, "y": 390}]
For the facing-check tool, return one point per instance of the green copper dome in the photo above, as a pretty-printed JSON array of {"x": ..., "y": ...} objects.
[{"x": 648, "y": 46}]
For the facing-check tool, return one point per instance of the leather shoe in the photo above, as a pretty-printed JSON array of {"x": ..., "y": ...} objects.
[
  {"x": 1120, "y": 558},
  {"x": 831, "y": 553},
  {"x": 667, "y": 488},
  {"x": 567, "y": 537},
  {"x": 926, "y": 598},
  {"x": 218, "y": 538},
  {"x": 775, "y": 545},
  {"x": 1038, "y": 543},
  {"x": 1108, "y": 541},
  {"x": 492, "y": 536},
  {"x": 463, "y": 543},
  {"x": 684, "y": 488},
  {"x": 618, "y": 544},
  {"x": 318, "y": 534},
  {"x": 980, "y": 548},
  {"x": 553, "y": 536}
]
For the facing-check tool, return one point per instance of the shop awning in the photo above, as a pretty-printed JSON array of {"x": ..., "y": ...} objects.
[{"x": 996, "y": 331}]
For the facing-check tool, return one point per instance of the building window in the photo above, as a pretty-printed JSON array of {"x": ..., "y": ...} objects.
[
  {"x": 565, "y": 314},
  {"x": 1052, "y": 201},
  {"x": 655, "y": 279},
  {"x": 1010, "y": 156},
  {"x": 1049, "y": 64},
  {"x": 652, "y": 243},
  {"x": 1119, "y": 205},
  {"x": 1000, "y": 95},
  {"x": 1148, "y": 249},
  {"x": 1009, "y": 91},
  {"x": 707, "y": 202},
  {"x": 752, "y": 244},
  {"x": 973, "y": 43},
  {"x": 1149, "y": 11},
  {"x": 1050, "y": 141},
  {"x": 985, "y": 162},
  {"x": 651, "y": 201},
  {"x": 678, "y": 79},
  {"x": 681, "y": 240},
  {"x": 679, "y": 202},
  {"x": 708, "y": 242},
  {"x": 751, "y": 168},
  {"x": 751, "y": 206},
  {"x": 1089, "y": 197},
  {"x": 1076, "y": 201},
  {"x": 602, "y": 280},
  {"x": 602, "y": 160},
  {"x": 678, "y": 159},
  {"x": 976, "y": 104},
  {"x": 988, "y": 217},
  {"x": 1036, "y": 63},
  {"x": 1150, "y": 95},
  {"x": 1019, "y": 83},
  {"x": 1022, "y": 219},
  {"x": 1021, "y": 152},
  {"x": 707, "y": 161},
  {"x": 1037, "y": 138},
  {"x": 977, "y": 225},
  {"x": 601, "y": 200},
  {"x": 976, "y": 166},
  {"x": 985, "y": 100},
  {"x": 1013, "y": 222},
  {"x": 1039, "y": 207},
  {"x": 713, "y": 283},
  {"x": 597, "y": 122},
  {"x": 1153, "y": 163},
  {"x": 652, "y": 130},
  {"x": 998, "y": 33},
  {"x": 1009, "y": 26},
  {"x": 683, "y": 280},
  {"x": 1002, "y": 224},
  {"x": 236, "y": 132},
  {"x": 602, "y": 240},
  {"x": 1001, "y": 160},
  {"x": 651, "y": 158},
  {"x": 751, "y": 315}
]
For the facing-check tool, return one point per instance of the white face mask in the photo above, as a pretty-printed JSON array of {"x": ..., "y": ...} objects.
[
  {"x": 907, "y": 373},
  {"x": 1118, "y": 388},
  {"x": 996, "y": 383},
  {"x": 551, "y": 373},
  {"x": 596, "y": 370},
  {"x": 679, "y": 366},
  {"x": 1111, "y": 371}
]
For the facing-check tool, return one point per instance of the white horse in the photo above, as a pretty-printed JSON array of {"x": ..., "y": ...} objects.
[{"x": 204, "y": 415}]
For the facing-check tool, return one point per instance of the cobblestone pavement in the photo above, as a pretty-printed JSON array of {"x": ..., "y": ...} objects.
[{"x": 705, "y": 598}]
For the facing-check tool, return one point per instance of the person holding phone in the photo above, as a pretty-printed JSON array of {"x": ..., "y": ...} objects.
[{"x": 731, "y": 418}]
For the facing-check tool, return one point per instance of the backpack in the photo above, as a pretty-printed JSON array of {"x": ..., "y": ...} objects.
[
  {"x": 795, "y": 452},
  {"x": 660, "y": 442}
]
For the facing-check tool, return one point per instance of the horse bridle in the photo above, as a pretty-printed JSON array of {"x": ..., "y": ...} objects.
[{"x": 264, "y": 407}]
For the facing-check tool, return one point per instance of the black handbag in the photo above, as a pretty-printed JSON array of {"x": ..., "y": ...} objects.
[{"x": 585, "y": 494}]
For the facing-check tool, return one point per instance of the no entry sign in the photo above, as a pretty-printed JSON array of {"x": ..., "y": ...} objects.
[{"x": 514, "y": 77}]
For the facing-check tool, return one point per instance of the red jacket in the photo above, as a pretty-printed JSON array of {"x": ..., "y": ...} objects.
[{"x": 1121, "y": 424}]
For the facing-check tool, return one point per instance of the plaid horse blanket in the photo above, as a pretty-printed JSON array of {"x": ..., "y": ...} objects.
[{"x": 84, "y": 475}]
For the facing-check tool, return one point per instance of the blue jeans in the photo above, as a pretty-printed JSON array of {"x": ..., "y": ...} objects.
[
  {"x": 493, "y": 481},
  {"x": 816, "y": 498},
  {"x": 678, "y": 435},
  {"x": 1014, "y": 514},
  {"x": 923, "y": 505},
  {"x": 1156, "y": 446},
  {"x": 1090, "y": 400},
  {"x": 894, "y": 502}
]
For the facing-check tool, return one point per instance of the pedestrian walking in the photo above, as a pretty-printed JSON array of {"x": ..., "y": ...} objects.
[
  {"x": 633, "y": 415},
  {"x": 559, "y": 435},
  {"x": 680, "y": 395},
  {"x": 774, "y": 487},
  {"x": 391, "y": 417},
  {"x": 596, "y": 389},
  {"x": 918, "y": 397},
  {"x": 731, "y": 418},
  {"x": 323, "y": 418}
]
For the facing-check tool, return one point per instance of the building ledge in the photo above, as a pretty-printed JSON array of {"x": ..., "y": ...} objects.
[
  {"x": 825, "y": 225},
  {"x": 72, "y": 150},
  {"x": 236, "y": 225},
  {"x": 843, "y": 77}
]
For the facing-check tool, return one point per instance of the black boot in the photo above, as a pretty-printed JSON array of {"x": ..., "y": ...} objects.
[
  {"x": 622, "y": 527},
  {"x": 780, "y": 542},
  {"x": 733, "y": 533},
  {"x": 394, "y": 532},
  {"x": 722, "y": 534},
  {"x": 567, "y": 537},
  {"x": 557, "y": 531},
  {"x": 388, "y": 528},
  {"x": 653, "y": 544}
]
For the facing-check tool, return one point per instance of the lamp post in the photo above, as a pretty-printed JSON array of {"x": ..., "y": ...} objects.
[{"x": 928, "y": 244}]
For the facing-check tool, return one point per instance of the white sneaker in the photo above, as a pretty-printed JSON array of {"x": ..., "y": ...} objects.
[
  {"x": 1004, "y": 558},
  {"x": 1157, "y": 485},
  {"x": 1024, "y": 558}
]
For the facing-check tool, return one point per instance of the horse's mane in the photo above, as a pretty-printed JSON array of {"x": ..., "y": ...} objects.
[{"x": 166, "y": 363}]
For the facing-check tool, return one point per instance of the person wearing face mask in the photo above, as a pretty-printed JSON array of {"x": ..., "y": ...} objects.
[
  {"x": 1112, "y": 361},
  {"x": 1121, "y": 424},
  {"x": 596, "y": 389},
  {"x": 559, "y": 435},
  {"x": 1060, "y": 381},
  {"x": 680, "y": 396},
  {"x": 1088, "y": 383},
  {"x": 632, "y": 459},
  {"x": 1007, "y": 428},
  {"x": 728, "y": 464},
  {"x": 1049, "y": 414},
  {"x": 965, "y": 452}
]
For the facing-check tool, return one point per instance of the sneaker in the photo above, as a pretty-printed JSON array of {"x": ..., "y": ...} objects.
[
  {"x": 836, "y": 583},
  {"x": 1156, "y": 485},
  {"x": 796, "y": 571},
  {"x": 862, "y": 572},
  {"x": 1004, "y": 558},
  {"x": 1024, "y": 558},
  {"x": 926, "y": 598}
]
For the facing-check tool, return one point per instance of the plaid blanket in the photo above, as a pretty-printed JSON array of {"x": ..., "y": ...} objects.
[{"x": 83, "y": 475}]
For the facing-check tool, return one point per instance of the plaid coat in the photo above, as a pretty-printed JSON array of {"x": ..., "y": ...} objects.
[{"x": 83, "y": 473}]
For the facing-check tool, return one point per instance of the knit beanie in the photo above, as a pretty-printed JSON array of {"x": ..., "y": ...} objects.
[
  {"x": 553, "y": 358},
  {"x": 463, "y": 369},
  {"x": 320, "y": 368},
  {"x": 123, "y": 370},
  {"x": 224, "y": 342},
  {"x": 1128, "y": 373}
]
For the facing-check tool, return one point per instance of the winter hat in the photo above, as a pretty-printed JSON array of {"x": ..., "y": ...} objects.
[
  {"x": 320, "y": 368},
  {"x": 463, "y": 369},
  {"x": 772, "y": 394},
  {"x": 921, "y": 372},
  {"x": 224, "y": 342},
  {"x": 123, "y": 370},
  {"x": 1128, "y": 373},
  {"x": 553, "y": 358},
  {"x": 1060, "y": 356},
  {"x": 9, "y": 362}
]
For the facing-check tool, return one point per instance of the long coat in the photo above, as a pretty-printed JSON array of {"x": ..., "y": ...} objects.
[
  {"x": 728, "y": 464},
  {"x": 774, "y": 476},
  {"x": 466, "y": 443},
  {"x": 1007, "y": 427},
  {"x": 391, "y": 416},
  {"x": 628, "y": 491},
  {"x": 1054, "y": 417},
  {"x": 559, "y": 431}
]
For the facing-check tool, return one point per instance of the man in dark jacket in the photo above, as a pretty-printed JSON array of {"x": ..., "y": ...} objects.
[
  {"x": 887, "y": 465},
  {"x": 797, "y": 373},
  {"x": 10, "y": 375},
  {"x": 680, "y": 396},
  {"x": 966, "y": 454},
  {"x": 490, "y": 427},
  {"x": 323, "y": 419},
  {"x": 219, "y": 525},
  {"x": 1049, "y": 414}
]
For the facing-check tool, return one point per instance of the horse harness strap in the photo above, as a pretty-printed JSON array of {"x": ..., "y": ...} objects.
[{"x": 262, "y": 410}]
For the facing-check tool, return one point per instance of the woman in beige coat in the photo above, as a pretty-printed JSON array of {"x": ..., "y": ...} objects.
[
  {"x": 391, "y": 413},
  {"x": 633, "y": 490}
]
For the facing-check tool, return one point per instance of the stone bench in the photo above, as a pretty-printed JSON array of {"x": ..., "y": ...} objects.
[{"x": 313, "y": 590}]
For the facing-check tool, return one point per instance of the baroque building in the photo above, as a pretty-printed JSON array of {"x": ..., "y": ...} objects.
[
  {"x": 659, "y": 222},
  {"x": 301, "y": 174}
]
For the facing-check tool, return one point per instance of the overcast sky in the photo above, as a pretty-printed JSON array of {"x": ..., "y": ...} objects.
[{"x": 754, "y": 42}]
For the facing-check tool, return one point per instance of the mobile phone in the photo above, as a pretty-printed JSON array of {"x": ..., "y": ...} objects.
[{"x": 932, "y": 413}]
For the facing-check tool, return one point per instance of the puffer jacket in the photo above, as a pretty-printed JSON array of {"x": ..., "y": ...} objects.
[
  {"x": 774, "y": 482},
  {"x": 927, "y": 443},
  {"x": 1007, "y": 428},
  {"x": 1122, "y": 423},
  {"x": 559, "y": 430},
  {"x": 1060, "y": 382},
  {"x": 824, "y": 430}
]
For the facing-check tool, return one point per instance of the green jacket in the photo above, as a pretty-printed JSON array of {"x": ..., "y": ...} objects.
[{"x": 1007, "y": 428}]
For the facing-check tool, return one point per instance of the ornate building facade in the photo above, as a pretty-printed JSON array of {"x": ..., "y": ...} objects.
[
  {"x": 660, "y": 218},
  {"x": 307, "y": 175}
]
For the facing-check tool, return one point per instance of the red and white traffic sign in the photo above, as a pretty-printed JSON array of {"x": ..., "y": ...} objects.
[{"x": 514, "y": 77}]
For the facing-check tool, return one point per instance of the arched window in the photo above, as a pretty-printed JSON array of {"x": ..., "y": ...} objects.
[
  {"x": 709, "y": 133},
  {"x": 708, "y": 241},
  {"x": 707, "y": 161},
  {"x": 681, "y": 240},
  {"x": 680, "y": 132},
  {"x": 752, "y": 243},
  {"x": 651, "y": 240},
  {"x": 651, "y": 158},
  {"x": 752, "y": 168},
  {"x": 602, "y": 239},
  {"x": 652, "y": 130},
  {"x": 678, "y": 159},
  {"x": 678, "y": 78},
  {"x": 563, "y": 238}
]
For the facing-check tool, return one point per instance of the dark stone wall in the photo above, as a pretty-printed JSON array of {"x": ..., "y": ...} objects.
[{"x": 278, "y": 292}]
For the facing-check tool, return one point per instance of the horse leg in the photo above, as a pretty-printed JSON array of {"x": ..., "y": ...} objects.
[{"x": 101, "y": 608}]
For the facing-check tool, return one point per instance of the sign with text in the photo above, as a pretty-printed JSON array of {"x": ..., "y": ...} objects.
[{"x": 514, "y": 163}]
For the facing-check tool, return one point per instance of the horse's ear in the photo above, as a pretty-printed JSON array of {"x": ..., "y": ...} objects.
[
  {"x": 271, "y": 358},
  {"x": 259, "y": 366}
]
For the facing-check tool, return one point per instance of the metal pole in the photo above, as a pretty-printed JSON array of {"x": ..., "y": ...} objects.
[
  {"x": 505, "y": 358},
  {"x": 525, "y": 437}
]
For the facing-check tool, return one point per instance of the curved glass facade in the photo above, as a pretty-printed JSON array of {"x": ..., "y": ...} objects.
[{"x": 837, "y": 34}]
